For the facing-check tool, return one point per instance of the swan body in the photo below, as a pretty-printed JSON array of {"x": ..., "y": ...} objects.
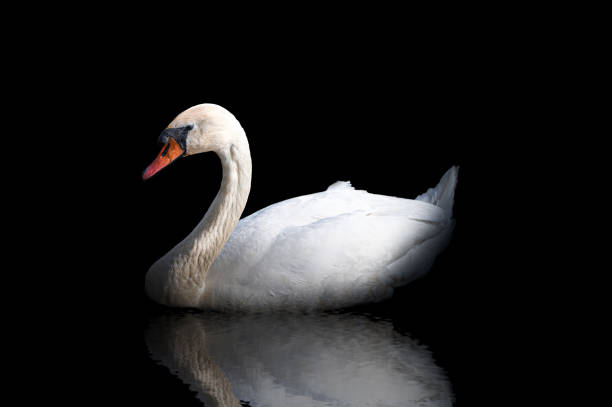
[{"x": 327, "y": 250}]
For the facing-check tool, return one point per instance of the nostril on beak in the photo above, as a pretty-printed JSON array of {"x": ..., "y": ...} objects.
[{"x": 163, "y": 154}]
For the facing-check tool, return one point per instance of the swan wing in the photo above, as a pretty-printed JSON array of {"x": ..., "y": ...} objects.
[{"x": 331, "y": 249}]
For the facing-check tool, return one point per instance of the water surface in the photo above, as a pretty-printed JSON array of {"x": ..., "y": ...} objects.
[{"x": 284, "y": 360}]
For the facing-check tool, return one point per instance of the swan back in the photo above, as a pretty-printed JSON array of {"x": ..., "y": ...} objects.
[{"x": 328, "y": 250}]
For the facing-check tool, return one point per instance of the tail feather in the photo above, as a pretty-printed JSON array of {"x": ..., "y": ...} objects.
[{"x": 443, "y": 195}]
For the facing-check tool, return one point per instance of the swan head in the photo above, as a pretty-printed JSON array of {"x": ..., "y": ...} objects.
[{"x": 199, "y": 129}]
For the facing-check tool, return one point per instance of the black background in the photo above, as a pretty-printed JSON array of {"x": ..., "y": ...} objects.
[
  {"x": 389, "y": 129},
  {"x": 389, "y": 117}
]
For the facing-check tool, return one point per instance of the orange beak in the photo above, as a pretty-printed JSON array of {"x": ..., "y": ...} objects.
[{"x": 170, "y": 152}]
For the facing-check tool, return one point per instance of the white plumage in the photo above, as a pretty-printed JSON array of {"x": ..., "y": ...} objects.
[{"x": 326, "y": 250}]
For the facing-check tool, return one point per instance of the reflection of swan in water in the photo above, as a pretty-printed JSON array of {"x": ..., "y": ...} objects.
[{"x": 297, "y": 360}]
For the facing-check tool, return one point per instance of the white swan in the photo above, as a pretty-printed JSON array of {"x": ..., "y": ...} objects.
[{"x": 327, "y": 250}]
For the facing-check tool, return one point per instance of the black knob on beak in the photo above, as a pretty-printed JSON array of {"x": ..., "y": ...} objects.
[{"x": 179, "y": 134}]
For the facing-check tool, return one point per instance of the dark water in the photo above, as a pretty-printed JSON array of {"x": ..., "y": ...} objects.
[{"x": 329, "y": 359}]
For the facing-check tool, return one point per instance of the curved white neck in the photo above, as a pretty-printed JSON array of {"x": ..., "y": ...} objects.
[
  {"x": 208, "y": 238},
  {"x": 178, "y": 278}
]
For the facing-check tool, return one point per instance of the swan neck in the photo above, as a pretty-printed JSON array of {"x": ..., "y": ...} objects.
[
  {"x": 223, "y": 215},
  {"x": 178, "y": 278}
]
